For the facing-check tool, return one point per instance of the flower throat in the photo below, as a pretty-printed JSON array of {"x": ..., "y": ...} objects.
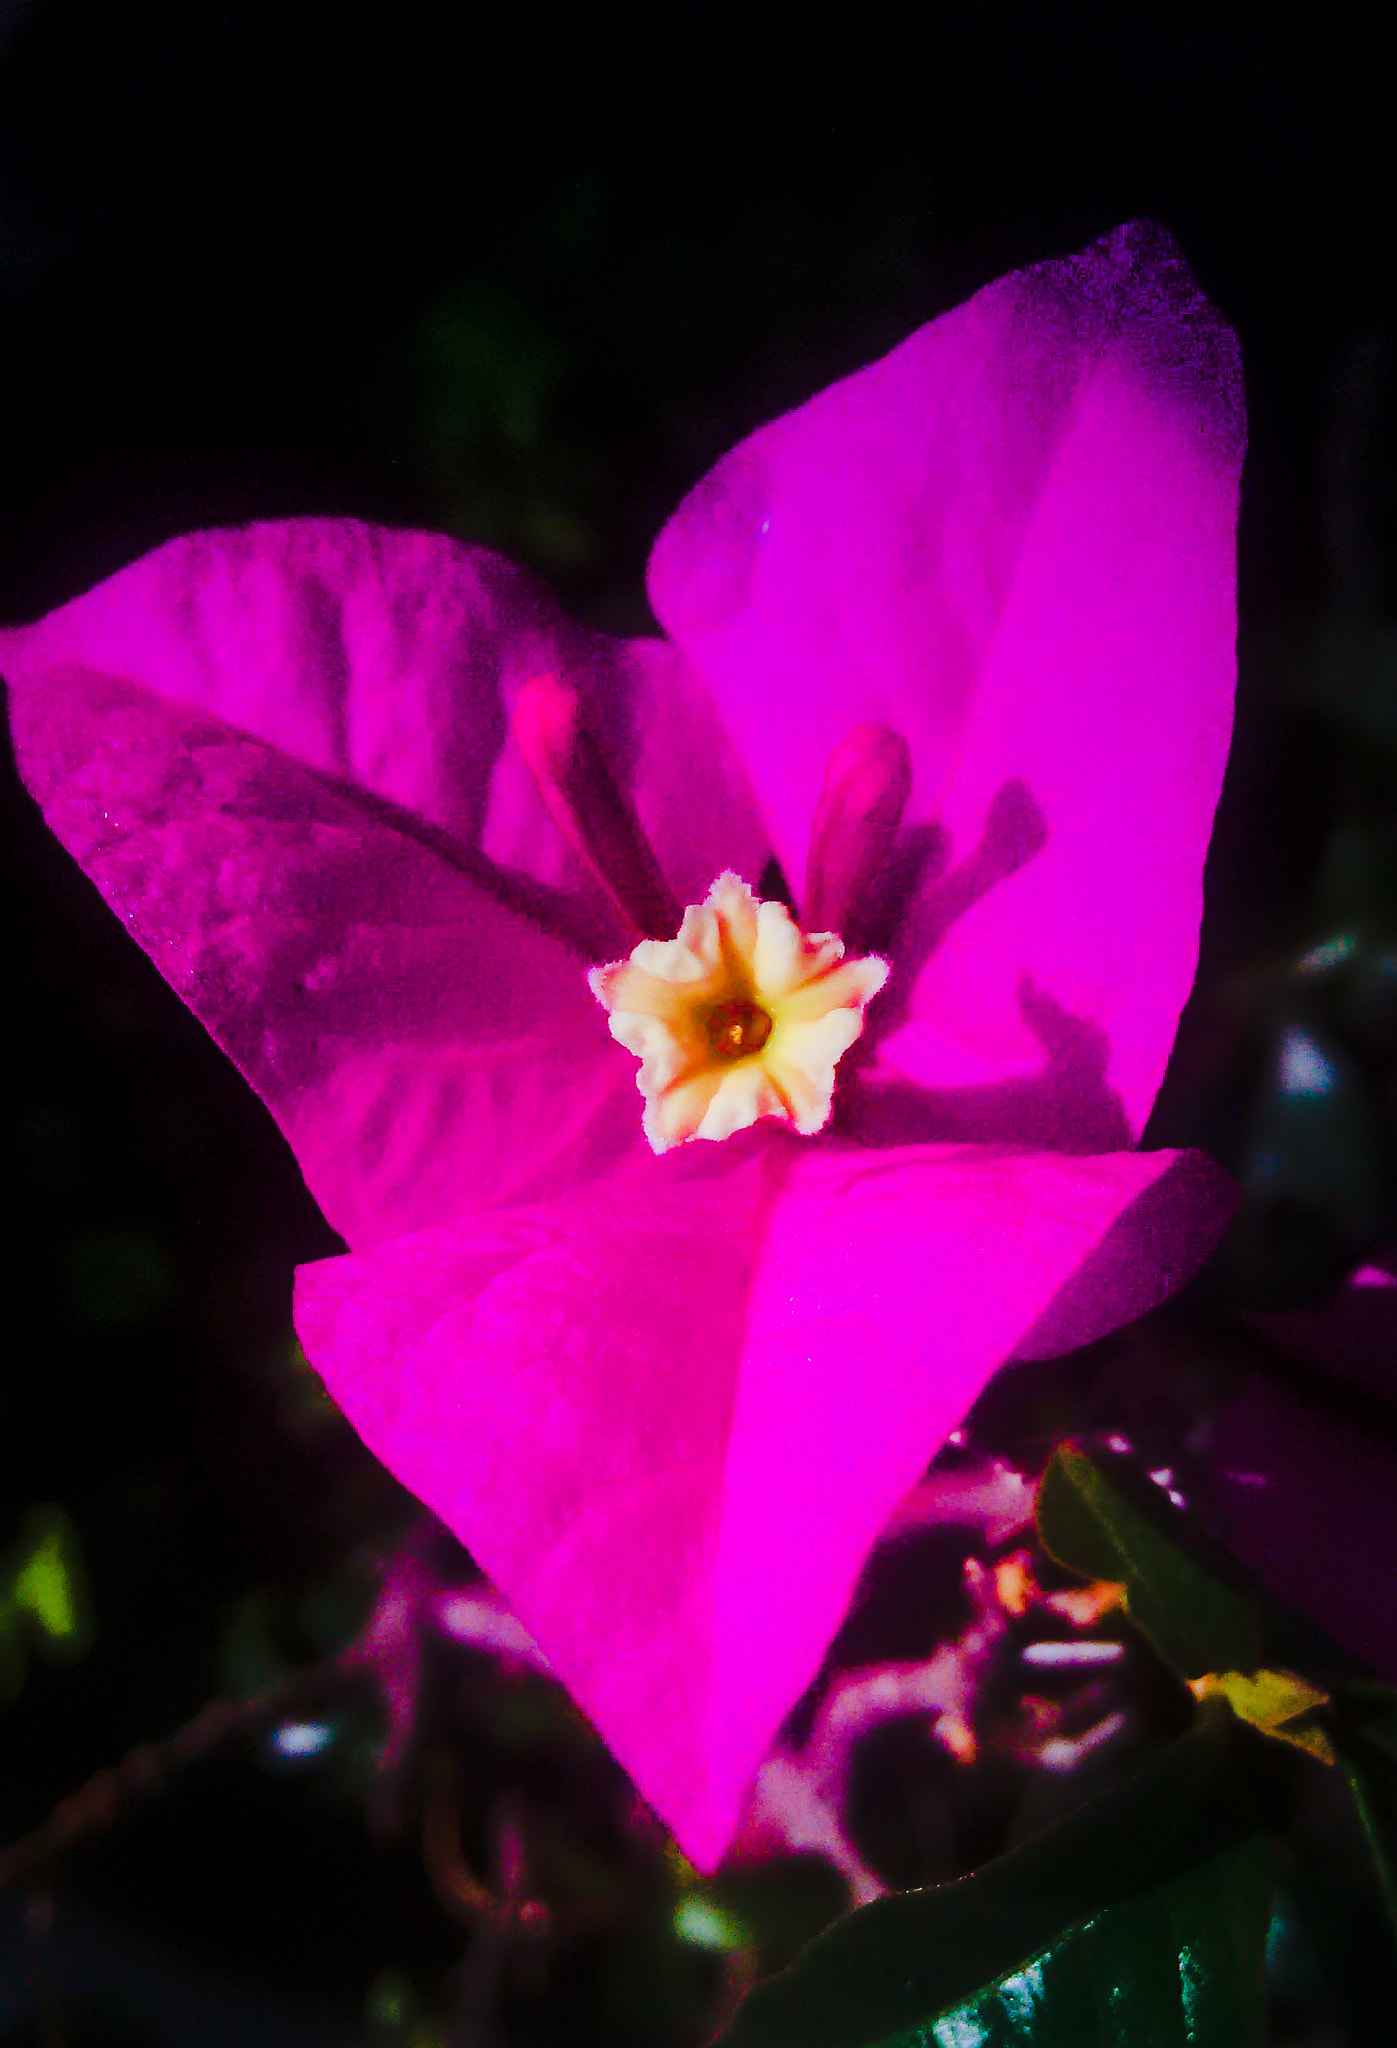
[{"x": 736, "y": 1030}]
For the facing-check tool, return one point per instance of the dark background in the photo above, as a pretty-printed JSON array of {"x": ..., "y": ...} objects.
[{"x": 253, "y": 267}]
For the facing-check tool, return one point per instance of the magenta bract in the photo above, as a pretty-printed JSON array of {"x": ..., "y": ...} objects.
[{"x": 668, "y": 1402}]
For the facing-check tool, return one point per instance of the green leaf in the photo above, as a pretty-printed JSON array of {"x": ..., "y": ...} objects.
[
  {"x": 1197, "y": 1622},
  {"x": 701, "y": 1921},
  {"x": 44, "y": 1601},
  {"x": 1279, "y": 1704},
  {"x": 1181, "y": 1966},
  {"x": 50, "y": 1585},
  {"x": 1130, "y": 1884},
  {"x": 768, "y": 1909}
]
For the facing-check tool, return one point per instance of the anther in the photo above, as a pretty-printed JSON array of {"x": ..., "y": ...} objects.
[{"x": 589, "y": 806}]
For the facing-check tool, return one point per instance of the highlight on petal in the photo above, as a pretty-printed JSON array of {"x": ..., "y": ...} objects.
[
  {"x": 741, "y": 1016},
  {"x": 723, "y": 1399},
  {"x": 1012, "y": 540}
]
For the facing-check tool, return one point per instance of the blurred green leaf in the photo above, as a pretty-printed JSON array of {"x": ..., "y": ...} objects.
[
  {"x": 779, "y": 1906},
  {"x": 1182, "y": 1966},
  {"x": 44, "y": 1585},
  {"x": 703, "y": 1923},
  {"x": 481, "y": 377},
  {"x": 1196, "y": 1622},
  {"x": 1276, "y": 1703},
  {"x": 1200, "y": 1625},
  {"x": 1364, "y": 1733},
  {"x": 392, "y": 2006},
  {"x": 44, "y": 1599},
  {"x": 118, "y": 1277},
  {"x": 1156, "y": 1890},
  {"x": 250, "y": 1656}
]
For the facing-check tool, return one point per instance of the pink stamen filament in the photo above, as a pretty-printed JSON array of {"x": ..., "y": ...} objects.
[
  {"x": 589, "y": 806},
  {"x": 867, "y": 784}
]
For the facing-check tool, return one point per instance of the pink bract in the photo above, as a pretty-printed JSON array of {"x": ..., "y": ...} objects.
[{"x": 669, "y": 1402}]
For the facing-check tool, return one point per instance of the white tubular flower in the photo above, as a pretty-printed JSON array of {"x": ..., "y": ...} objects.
[{"x": 742, "y": 1015}]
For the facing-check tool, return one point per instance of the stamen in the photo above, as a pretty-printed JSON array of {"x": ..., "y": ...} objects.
[
  {"x": 589, "y": 806},
  {"x": 867, "y": 784}
]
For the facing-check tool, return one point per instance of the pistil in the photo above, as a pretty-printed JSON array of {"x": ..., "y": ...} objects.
[{"x": 736, "y": 1030}]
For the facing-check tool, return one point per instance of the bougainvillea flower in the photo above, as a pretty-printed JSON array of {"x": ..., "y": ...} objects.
[{"x": 668, "y": 1399}]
